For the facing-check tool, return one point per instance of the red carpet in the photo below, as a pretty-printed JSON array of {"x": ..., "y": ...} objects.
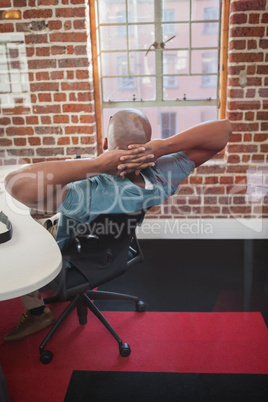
[{"x": 160, "y": 342}]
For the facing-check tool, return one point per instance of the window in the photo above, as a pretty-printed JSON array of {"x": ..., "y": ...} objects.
[
  {"x": 168, "y": 124},
  {"x": 169, "y": 29},
  {"x": 207, "y": 115},
  {"x": 125, "y": 81},
  {"x": 170, "y": 68},
  {"x": 121, "y": 19},
  {"x": 140, "y": 65},
  {"x": 209, "y": 66},
  {"x": 14, "y": 81},
  {"x": 211, "y": 13}
]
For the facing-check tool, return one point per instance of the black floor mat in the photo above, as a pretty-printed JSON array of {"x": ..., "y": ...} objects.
[
  {"x": 193, "y": 275},
  {"x": 159, "y": 387}
]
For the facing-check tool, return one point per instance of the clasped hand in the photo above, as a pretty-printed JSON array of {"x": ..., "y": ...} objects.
[
  {"x": 142, "y": 156},
  {"x": 123, "y": 162}
]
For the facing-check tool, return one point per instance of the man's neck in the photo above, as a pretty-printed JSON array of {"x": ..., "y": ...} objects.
[{"x": 136, "y": 179}]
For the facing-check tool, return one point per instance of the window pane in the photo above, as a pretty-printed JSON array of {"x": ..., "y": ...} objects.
[
  {"x": 138, "y": 63},
  {"x": 111, "y": 38},
  {"x": 173, "y": 63},
  {"x": 141, "y": 36},
  {"x": 204, "y": 61},
  {"x": 14, "y": 80},
  {"x": 147, "y": 63},
  {"x": 176, "y": 62},
  {"x": 125, "y": 69},
  {"x": 109, "y": 63},
  {"x": 200, "y": 38},
  {"x": 211, "y": 13},
  {"x": 168, "y": 16},
  {"x": 4, "y": 73},
  {"x": 142, "y": 11},
  {"x": 168, "y": 124},
  {"x": 200, "y": 13},
  {"x": 118, "y": 89},
  {"x": 122, "y": 19},
  {"x": 209, "y": 81},
  {"x": 108, "y": 10},
  {"x": 182, "y": 10},
  {"x": 193, "y": 87},
  {"x": 181, "y": 39}
]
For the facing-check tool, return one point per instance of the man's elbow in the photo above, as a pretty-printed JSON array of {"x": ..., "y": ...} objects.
[
  {"x": 227, "y": 127},
  {"x": 224, "y": 133},
  {"x": 18, "y": 187},
  {"x": 11, "y": 184}
]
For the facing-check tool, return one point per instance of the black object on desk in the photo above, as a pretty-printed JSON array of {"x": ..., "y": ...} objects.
[{"x": 5, "y": 236}]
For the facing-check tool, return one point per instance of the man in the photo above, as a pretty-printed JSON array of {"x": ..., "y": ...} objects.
[{"x": 134, "y": 174}]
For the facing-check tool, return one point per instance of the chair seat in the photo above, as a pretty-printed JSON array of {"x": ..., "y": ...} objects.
[{"x": 75, "y": 278}]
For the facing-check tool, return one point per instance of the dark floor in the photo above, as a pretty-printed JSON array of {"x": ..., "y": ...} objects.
[{"x": 196, "y": 276}]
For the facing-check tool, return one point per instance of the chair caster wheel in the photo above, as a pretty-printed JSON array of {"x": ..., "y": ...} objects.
[
  {"x": 82, "y": 320},
  {"x": 140, "y": 306},
  {"x": 125, "y": 350},
  {"x": 46, "y": 356}
]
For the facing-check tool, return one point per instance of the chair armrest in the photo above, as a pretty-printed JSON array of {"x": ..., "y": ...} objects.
[{"x": 135, "y": 254}]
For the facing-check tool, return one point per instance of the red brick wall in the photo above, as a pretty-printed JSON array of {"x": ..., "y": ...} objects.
[
  {"x": 60, "y": 121},
  {"x": 222, "y": 189},
  {"x": 247, "y": 106}
]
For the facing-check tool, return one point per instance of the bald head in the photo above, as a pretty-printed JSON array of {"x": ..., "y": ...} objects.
[{"x": 128, "y": 126}]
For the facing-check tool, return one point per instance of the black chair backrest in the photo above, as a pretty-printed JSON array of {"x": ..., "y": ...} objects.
[{"x": 100, "y": 250}]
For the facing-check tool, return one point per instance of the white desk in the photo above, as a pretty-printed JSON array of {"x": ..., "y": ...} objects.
[{"x": 31, "y": 259}]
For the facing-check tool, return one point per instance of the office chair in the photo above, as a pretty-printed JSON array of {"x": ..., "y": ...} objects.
[{"x": 96, "y": 254}]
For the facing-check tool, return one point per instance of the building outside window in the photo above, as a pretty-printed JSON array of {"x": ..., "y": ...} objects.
[
  {"x": 168, "y": 16},
  {"x": 125, "y": 81},
  {"x": 209, "y": 66},
  {"x": 211, "y": 13},
  {"x": 169, "y": 67},
  {"x": 168, "y": 124},
  {"x": 121, "y": 19}
]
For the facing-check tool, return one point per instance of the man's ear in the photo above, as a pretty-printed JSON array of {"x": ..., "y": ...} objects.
[{"x": 105, "y": 143}]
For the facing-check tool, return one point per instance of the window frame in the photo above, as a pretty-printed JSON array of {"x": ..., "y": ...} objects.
[
  {"x": 14, "y": 81},
  {"x": 222, "y": 74}
]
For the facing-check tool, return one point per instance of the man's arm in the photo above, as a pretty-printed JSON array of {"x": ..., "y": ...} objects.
[
  {"x": 200, "y": 142},
  {"x": 43, "y": 186}
]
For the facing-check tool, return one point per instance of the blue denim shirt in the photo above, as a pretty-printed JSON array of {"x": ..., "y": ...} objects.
[{"x": 108, "y": 194}]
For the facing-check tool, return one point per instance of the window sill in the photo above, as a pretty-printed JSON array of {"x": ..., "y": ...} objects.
[{"x": 215, "y": 162}]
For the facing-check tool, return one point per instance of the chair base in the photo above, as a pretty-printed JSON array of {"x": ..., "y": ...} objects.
[{"x": 83, "y": 302}]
